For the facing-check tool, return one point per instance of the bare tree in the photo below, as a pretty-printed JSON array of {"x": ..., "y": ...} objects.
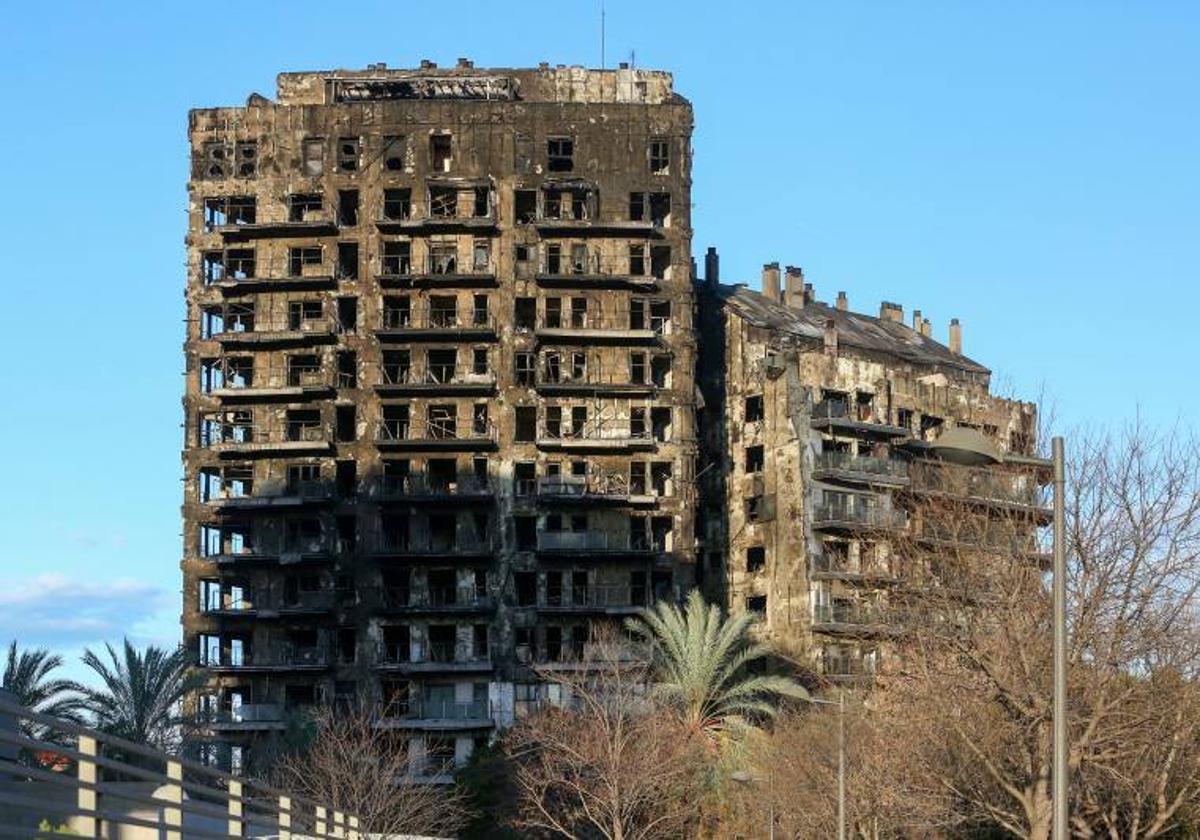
[
  {"x": 972, "y": 699},
  {"x": 359, "y": 769},
  {"x": 607, "y": 761}
]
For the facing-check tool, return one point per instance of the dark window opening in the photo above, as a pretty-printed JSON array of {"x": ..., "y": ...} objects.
[
  {"x": 756, "y": 558},
  {"x": 348, "y": 148},
  {"x": 346, "y": 423},
  {"x": 440, "y": 152},
  {"x": 348, "y": 208},
  {"x": 560, "y": 153},
  {"x": 753, "y": 411},
  {"x": 754, "y": 459},
  {"x": 397, "y": 204},
  {"x": 660, "y": 156},
  {"x": 393, "y": 153},
  {"x": 525, "y": 206},
  {"x": 347, "y": 260}
]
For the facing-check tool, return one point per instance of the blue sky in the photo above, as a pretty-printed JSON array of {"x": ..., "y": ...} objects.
[{"x": 1029, "y": 168}]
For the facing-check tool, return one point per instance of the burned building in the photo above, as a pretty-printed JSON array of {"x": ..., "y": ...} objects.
[
  {"x": 825, "y": 433},
  {"x": 440, "y": 391}
]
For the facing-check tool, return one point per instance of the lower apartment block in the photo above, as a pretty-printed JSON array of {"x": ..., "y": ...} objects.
[{"x": 826, "y": 434}]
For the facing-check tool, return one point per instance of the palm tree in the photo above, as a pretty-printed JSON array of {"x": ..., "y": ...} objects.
[
  {"x": 140, "y": 694},
  {"x": 701, "y": 658},
  {"x": 27, "y": 676}
]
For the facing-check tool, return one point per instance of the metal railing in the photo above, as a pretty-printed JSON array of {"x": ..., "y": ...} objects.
[
  {"x": 607, "y": 430},
  {"x": 246, "y": 713},
  {"x": 600, "y": 595},
  {"x": 852, "y": 614},
  {"x": 466, "y": 429},
  {"x": 391, "y": 486},
  {"x": 1015, "y": 488},
  {"x": 399, "y": 597},
  {"x": 270, "y": 600},
  {"x": 847, "y": 462},
  {"x": 859, "y": 514},
  {"x": 93, "y": 784},
  {"x": 424, "y": 653},
  {"x": 430, "y": 709},
  {"x": 422, "y": 318},
  {"x": 394, "y": 373},
  {"x": 621, "y": 322},
  {"x": 598, "y": 541}
]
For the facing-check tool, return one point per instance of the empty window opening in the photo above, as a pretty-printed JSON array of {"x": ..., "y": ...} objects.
[
  {"x": 637, "y": 367},
  {"x": 660, "y": 209},
  {"x": 443, "y": 202},
  {"x": 443, "y": 257},
  {"x": 216, "y": 160},
  {"x": 526, "y": 423},
  {"x": 347, "y": 375},
  {"x": 483, "y": 203},
  {"x": 305, "y": 314},
  {"x": 754, "y": 459},
  {"x": 314, "y": 156},
  {"x": 394, "y": 149},
  {"x": 637, "y": 260},
  {"x": 660, "y": 424},
  {"x": 440, "y": 366},
  {"x": 524, "y": 478},
  {"x": 346, "y": 416},
  {"x": 347, "y": 260},
  {"x": 660, "y": 261},
  {"x": 440, "y": 152},
  {"x": 525, "y": 206},
  {"x": 560, "y": 152},
  {"x": 554, "y": 259},
  {"x": 660, "y": 478},
  {"x": 304, "y": 260},
  {"x": 637, "y": 206},
  {"x": 756, "y": 558},
  {"x": 479, "y": 361},
  {"x": 348, "y": 148},
  {"x": 525, "y": 363},
  {"x": 753, "y": 409},
  {"x": 397, "y": 367},
  {"x": 660, "y": 156},
  {"x": 579, "y": 258},
  {"x": 481, "y": 255},
  {"x": 397, "y": 258},
  {"x": 525, "y": 313},
  {"x": 348, "y": 208},
  {"x": 397, "y": 204},
  {"x": 229, "y": 210},
  {"x": 756, "y": 604},
  {"x": 660, "y": 371},
  {"x": 304, "y": 207}
]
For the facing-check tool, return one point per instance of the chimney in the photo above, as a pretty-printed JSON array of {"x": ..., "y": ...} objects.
[
  {"x": 426, "y": 64},
  {"x": 843, "y": 304},
  {"x": 543, "y": 65},
  {"x": 712, "y": 267},
  {"x": 926, "y": 328},
  {"x": 810, "y": 296},
  {"x": 831, "y": 338},
  {"x": 889, "y": 311},
  {"x": 624, "y": 65},
  {"x": 465, "y": 63},
  {"x": 916, "y": 320},
  {"x": 793, "y": 287},
  {"x": 955, "y": 337},
  {"x": 770, "y": 281}
]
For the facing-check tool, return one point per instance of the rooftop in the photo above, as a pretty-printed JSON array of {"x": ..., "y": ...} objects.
[{"x": 853, "y": 329}]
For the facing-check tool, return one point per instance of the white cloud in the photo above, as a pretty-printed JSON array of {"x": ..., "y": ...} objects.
[{"x": 57, "y": 611}]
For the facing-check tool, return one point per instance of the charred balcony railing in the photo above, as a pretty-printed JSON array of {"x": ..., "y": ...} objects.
[
  {"x": 853, "y": 617},
  {"x": 399, "y": 431},
  {"x": 438, "y": 319},
  {"x": 887, "y": 470},
  {"x": 1018, "y": 489},
  {"x": 246, "y": 715},
  {"x": 603, "y": 597},
  {"x": 267, "y": 600},
  {"x": 436, "y": 378},
  {"x": 437, "y": 597},
  {"x": 283, "y": 656},
  {"x": 427, "y": 710},
  {"x": 858, "y": 515},
  {"x": 863, "y": 418},
  {"x": 432, "y": 654},
  {"x": 249, "y": 436},
  {"x": 601, "y": 541},
  {"x": 417, "y": 487}
]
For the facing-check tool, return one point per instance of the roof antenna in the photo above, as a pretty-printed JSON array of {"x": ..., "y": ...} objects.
[{"x": 601, "y": 34}]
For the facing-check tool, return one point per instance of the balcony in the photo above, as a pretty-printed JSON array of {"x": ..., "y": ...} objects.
[
  {"x": 841, "y": 416},
  {"x": 269, "y": 603},
  {"x": 967, "y": 536},
  {"x": 247, "y": 717},
  {"x": 239, "y": 439},
  {"x": 436, "y": 435},
  {"x": 431, "y": 714},
  {"x": 400, "y": 546},
  {"x": 440, "y": 274},
  {"x": 607, "y": 599},
  {"x": 860, "y": 469},
  {"x": 311, "y": 225},
  {"x": 406, "y": 325},
  {"x": 314, "y": 552},
  {"x": 294, "y": 494},
  {"x": 466, "y": 599},
  {"x": 297, "y": 383},
  {"x": 463, "y": 380},
  {"x": 597, "y": 329},
  {"x": 582, "y": 657},
  {"x": 251, "y": 275},
  {"x": 283, "y": 658},
  {"x": 315, "y": 331},
  {"x": 562, "y": 383},
  {"x": 597, "y": 436},
  {"x": 610, "y": 489},
  {"x": 433, "y": 657},
  {"x": 850, "y": 619},
  {"x": 858, "y": 516},
  {"x": 416, "y": 489},
  {"x": 846, "y": 669},
  {"x": 1017, "y": 492},
  {"x": 579, "y": 545},
  {"x": 827, "y": 566}
]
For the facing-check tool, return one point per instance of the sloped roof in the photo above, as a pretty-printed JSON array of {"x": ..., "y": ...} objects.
[{"x": 854, "y": 329}]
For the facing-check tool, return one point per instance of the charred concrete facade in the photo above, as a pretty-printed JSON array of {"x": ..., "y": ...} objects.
[
  {"x": 440, "y": 390},
  {"x": 823, "y": 431}
]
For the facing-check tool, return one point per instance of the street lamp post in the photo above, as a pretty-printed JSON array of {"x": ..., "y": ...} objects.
[{"x": 1059, "y": 586}]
